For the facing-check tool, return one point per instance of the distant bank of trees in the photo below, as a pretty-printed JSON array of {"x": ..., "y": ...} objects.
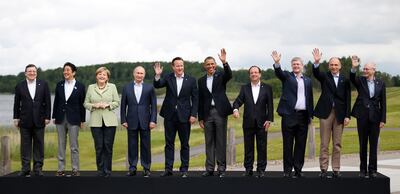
[{"x": 121, "y": 73}]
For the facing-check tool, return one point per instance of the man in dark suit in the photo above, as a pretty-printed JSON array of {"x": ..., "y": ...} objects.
[
  {"x": 214, "y": 108},
  {"x": 32, "y": 111},
  {"x": 370, "y": 111},
  {"x": 257, "y": 117},
  {"x": 333, "y": 111},
  {"x": 69, "y": 115},
  {"x": 139, "y": 116},
  {"x": 179, "y": 110},
  {"x": 296, "y": 109}
]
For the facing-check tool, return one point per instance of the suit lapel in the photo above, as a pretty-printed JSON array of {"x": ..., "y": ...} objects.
[
  {"x": 250, "y": 91},
  {"x": 172, "y": 79},
  {"x": 377, "y": 84},
  {"x": 214, "y": 79},
  {"x": 25, "y": 88},
  {"x": 38, "y": 85},
  {"x": 132, "y": 88},
  {"x": 63, "y": 91}
]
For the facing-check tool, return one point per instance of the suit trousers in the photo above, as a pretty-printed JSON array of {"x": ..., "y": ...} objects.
[
  {"x": 330, "y": 127},
  {"x": 103, "y": 143},
  {"x": 368, "y": 132},
  {"x": 172, "y": 126},
  {"x": 215, "y": 130},
  {"x": 29, "y": 136},
  {"x": 72, "y": 130},
  {"x": 294, "y": 132},
  {"x": 133, "y": 148},
  {"x": 260, "y": 135}
]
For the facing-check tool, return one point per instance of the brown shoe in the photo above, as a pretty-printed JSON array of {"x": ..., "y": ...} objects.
[
  {"x": 75, "y": 173},
  {"x": 60, "y": 174}
]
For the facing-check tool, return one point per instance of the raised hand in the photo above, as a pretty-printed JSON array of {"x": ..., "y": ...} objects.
[
  {"x": 276, "y": 57},
  {"x": 317, "y": 55},
  {"x": 222, "y": 56},
  {"x": 158, "y": 68},
  {"x": 355, "y": 61}
]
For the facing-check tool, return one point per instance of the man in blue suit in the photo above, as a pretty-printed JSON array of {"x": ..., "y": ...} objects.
[
  {"x": 139, "y": 116},
  {"x": 179, "y": 110},
  {"x": 296, "y": 109}
]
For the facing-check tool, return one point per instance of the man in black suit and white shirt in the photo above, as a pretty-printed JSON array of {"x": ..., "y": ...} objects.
[
  {"x": 69, "y": 115},
  {"x": 296, "y": 109},
  {"x": 370, "y": 111},
  {"x": 179, "y": 110},
  {"x": 214, "y": 108},
  {"x": 258, "y": 114},
  {"x": 32, "y": 111},
  {"x": 333, "y": 110},
  {"x": 139, "y": 116}
]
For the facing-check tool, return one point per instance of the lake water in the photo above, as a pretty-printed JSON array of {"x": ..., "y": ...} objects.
[{"x": 7, "y": 106}]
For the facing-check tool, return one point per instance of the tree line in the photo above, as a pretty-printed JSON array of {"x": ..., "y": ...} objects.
[{"x": 121, "y": 73}]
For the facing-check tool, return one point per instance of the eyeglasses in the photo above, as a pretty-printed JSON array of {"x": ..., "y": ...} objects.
[{"x": 367, "y": 69}]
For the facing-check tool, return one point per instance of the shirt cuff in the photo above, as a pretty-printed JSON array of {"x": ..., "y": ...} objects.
[
  {"x": 235, "y": 110},
  {"x": 277, "y": 65},
  {"x": 157, "y": 77}
]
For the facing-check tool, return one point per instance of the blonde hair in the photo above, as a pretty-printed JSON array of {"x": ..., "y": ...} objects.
[{"x": 103, "y": 69}]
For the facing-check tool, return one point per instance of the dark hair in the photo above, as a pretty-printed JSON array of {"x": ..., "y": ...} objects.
[
  {"x": 259, "y": 70},
  {"x": 208, "y": 58},
  {"x": 176, "y": 59},
  {"x": 30, "y": 65},
  {"x": 72, "y": 66}
]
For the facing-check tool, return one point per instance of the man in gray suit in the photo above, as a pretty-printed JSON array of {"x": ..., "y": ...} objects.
[{"x": 139, "y": 116}]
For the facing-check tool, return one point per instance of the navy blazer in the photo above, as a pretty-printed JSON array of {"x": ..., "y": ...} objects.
[
  {"x": 365, "y": 107},
  {"x": 32, "y": 112},
  {"x": 288, "y": 98},
  {"x": 222, "y": 104},
  {"x": 258, "y": 112},
  {"x": 185, "y": 104},
  {"x": 138, "y": 114},
  {"x": 73, "y": 107},
  {"x": 330, "y": 94}
]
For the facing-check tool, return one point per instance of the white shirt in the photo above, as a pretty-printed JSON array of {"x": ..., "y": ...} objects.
[
  {"x": 336, "y": 78},
  {"x": 179, "y": 82},
  {"x": 138, "y": 87},
  {"x": 210, "y": 80},
  {"x": 68, "y": 88},
  {"x": 255, "y": 89},
  {"x": 32, "y": 88},
  {"x": 301, "y": 95}
]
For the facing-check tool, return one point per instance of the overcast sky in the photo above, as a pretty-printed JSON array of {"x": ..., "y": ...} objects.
[{"x": 50, "y": 32}]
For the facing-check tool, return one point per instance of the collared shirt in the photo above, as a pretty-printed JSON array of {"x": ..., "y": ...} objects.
[
  {"x": 335, "y": 78},
  {"x": 138, "y": 87},
  {"x": 179, "y": 82},
  {"x": 371, "y": 87},
  {"x": 301, "y": 97},
  {"x": 68, "y": 88},
  {"x": 255, "y": 89},
  {"x": 32, "y": 88},
  {"x": 210, "y": 80}
]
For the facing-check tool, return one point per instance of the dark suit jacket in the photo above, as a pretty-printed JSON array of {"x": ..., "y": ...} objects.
[
  {"x": 258, "y": 112},
  {"x": 185, "y": 104},
  {"x": 288, "y": 98},
  {"x": 32, "y": 112},
  {"x": 340, "y": 96},
  {"x": 73, "y": 107},
  {"x": 365, "y": 107},
  {"x": 222, "y": 104},
  {"x": 142, "y": 112}
]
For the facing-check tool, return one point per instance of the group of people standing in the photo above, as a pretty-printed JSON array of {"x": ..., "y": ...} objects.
[{"x": 187, "y": 100}]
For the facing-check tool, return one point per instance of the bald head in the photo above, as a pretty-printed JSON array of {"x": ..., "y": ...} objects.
[
  {"x": 334, "y": 65},
  {"x": 138, "y": 74}
]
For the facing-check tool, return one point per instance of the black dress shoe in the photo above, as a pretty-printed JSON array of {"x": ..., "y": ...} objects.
[
  {"x": 298, "y": 175},
  {"x": 146, "y": 173},
  {"x": 184, "y": 174},
  {"x": 131, "y": 173},
  {"x": 107, "y": 175},
  {"x": 60, "y": 173},
  {"x": 373, "y": 174},
  {"x": 323, "y": 174},
  {"x": 221, "y": 174},
  {"x": 38, "y": 173},
  {"x": 363, "y": 174},
  {"x": 336, "y": 174},
  {"x": 75, "y": 173},
  {"x": 248, "y": 173},
  {"x": 287, "y": 174},
  {"x": 24, "y": 174},
  {"x": 207, "y": 173},
  {"x": 260, "y": 174},
  {"x": 166, "y": 173}
]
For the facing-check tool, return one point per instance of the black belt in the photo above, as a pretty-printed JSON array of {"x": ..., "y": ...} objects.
[{"x": 300, "y": 111}]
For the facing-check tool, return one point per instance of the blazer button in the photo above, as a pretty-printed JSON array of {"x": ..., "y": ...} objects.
[{"x": 66, "y": 103}]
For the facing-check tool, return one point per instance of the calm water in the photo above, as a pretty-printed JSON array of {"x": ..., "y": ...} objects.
[{"x": 7, "y": 103}]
